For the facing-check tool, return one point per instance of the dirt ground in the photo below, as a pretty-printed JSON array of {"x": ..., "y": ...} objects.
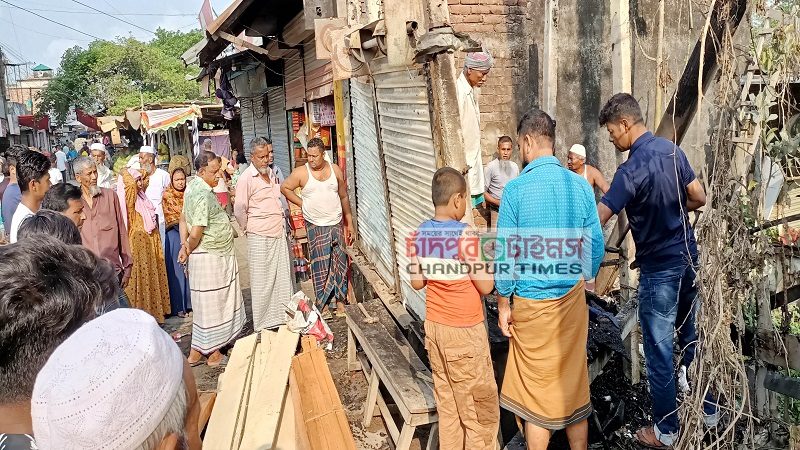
[{"x": 620, "y": 408}]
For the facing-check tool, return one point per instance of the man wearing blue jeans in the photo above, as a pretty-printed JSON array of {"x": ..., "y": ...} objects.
[{"x": 657, "y": 188}]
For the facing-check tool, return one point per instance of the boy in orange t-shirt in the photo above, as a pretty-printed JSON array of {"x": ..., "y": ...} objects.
[{"x": 443, "y": 258}]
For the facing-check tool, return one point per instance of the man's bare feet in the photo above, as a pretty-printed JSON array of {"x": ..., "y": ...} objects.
[
  {"x": 215, "y": 359},
  {"x": 340, "y": 309}
]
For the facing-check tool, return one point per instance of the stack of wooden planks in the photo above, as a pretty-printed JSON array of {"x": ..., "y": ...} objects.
[
  {"x": 268, "y": 398},
  {"x": 320, "y": 419},
  {"x": 249, "y": 408}
]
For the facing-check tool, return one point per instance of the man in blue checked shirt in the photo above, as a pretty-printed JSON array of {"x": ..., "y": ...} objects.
[
  {"x": 657, "y": 188},
  {"x": 550, "y": 241}
]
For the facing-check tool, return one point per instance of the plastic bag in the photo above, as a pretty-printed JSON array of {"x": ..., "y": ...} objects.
[{"x": 303, "y": 317}]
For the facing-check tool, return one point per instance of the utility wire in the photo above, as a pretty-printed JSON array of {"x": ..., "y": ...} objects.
[
  {"x": 76, "y": 11},
  {"x": 51, "y": 20},
  {"x": 114, "y": 17}
]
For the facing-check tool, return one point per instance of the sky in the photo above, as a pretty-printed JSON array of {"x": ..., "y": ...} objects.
[{"x": 23, "y": 35}]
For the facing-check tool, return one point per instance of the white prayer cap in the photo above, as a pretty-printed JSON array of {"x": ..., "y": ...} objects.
[
  {"x": 109, "y": 385},
  {"x": 147, "y": 149},
  {"x": 97, "y": 146},
  {"x": 133, "y": 163},
  {"x": 579, "y": 150}
]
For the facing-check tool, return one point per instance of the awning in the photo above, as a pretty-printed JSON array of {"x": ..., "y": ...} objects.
[
  {"x": 164, "y": 119},
  {"x": 42, "y": 124},
  {"x": 87, "y": 119}
]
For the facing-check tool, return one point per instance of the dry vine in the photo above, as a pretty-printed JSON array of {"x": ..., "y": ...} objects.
[{"x": 733, "y": 261}]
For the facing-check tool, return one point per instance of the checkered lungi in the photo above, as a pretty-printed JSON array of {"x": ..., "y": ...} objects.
[
  {"x": 270, "y": 280},
  {"x": 328, "y": 263},
  {"x": 217, "y": 301}
]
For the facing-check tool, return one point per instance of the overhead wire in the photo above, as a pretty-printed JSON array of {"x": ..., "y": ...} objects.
[
  {"x": 14, "y": 29},
  {"x": 114, "y": 17},
  {"x": 43, "y": 34},
  {"x": 77, "y": 11},
  {"x": 51, "y": 20}
]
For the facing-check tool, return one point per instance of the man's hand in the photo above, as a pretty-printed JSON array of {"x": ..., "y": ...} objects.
[
  {"x": 349, "y": 235},
  {"x": 183, "y": 255},
  {"x": 125, "y": 282},
  {"x": 504, "y": 316}
]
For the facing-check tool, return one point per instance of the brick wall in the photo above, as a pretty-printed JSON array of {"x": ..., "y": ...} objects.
[{"x": 512, "y": 86}]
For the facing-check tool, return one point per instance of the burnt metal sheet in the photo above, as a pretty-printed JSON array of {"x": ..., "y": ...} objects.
[
  {"x": 294, "y": 81},
  {"x": 278, "y": 129},
  {"x": 318, "y": 72}
]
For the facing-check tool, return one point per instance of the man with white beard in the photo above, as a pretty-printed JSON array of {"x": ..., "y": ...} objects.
[
  {"x": 103, "y": 231},
  {"x": 105, "y": 177},
  {"x": 497, "y": 173}
]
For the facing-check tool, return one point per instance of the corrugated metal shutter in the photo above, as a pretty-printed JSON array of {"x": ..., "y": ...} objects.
[
  {"x": 318, "y": 72},
  {"x": 260, "y": 118},
  {"x": 410, "y": 158},
  {"x": 373, "y": 222},
  {"x": 278, "y": 129},
  {"x": 294, "y": 81},
  {"x": 248, "y": 124}
]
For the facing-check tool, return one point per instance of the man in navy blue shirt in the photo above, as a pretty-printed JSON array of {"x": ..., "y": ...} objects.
[{"x": 658, "y": 188}]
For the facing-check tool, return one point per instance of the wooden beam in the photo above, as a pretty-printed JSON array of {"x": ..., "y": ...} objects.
[
  {"x": 781, "y": 352},
  {"x": 240, "y": 42},
  {"x": 271, "y": 380},
  {"x": 777, "y": 382},
  {"x": 550, "y": 81},
  {"x": 207, "y": 400}
]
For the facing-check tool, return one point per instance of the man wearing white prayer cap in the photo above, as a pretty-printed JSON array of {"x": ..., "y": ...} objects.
[
  {"x": 158, "y": 184},
  {"x": 119, "y": 383},
  {"x": 105, "y": 177},
  {"x": 576, "y": 162},
  {"x": 476, "y": 68}
]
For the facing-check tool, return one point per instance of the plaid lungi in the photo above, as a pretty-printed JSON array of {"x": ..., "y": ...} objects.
[
  {"x": 270, "y": 280},
  {"x": 216, "y": 300},
  {"x": 328, "y": 263}
]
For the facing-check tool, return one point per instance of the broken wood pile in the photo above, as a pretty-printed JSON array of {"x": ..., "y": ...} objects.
[{"x": 254, "y": 407}]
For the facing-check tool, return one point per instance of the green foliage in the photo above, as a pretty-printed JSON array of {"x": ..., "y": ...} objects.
[{"x": 113, "y": 74}]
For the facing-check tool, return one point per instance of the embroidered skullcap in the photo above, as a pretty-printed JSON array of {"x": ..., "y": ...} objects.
[
  {"x": 479, "y": 61},
  {"x": 147, "y": 149},
  {"x": 97, "y": 146},
  {"x": 109, "y": 385}
]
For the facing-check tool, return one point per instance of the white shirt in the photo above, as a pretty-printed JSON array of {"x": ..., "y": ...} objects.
[
  {"x": 159, "y": 182},
  {"x": 105, "y": 177},
  {"x": 61, "y": 160},
  {"x": 55, "y": 176},
  {"x": 471, "y": 131},
  {"x": 20, "y": 214}
]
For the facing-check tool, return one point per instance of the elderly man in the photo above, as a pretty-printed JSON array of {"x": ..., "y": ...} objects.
[
  {"x": 476, "y": 68},
  {"x": 658, "y": 188},
  {"x": 37, "y": 316},
  {"x": 576, "y": 162},
  {"x": 105, "y": 177},
  {"x": 118, "y": 383},
  {"x": 33, "y": 176},
  {"x": 103, "y": 230},
  {"x": 546, "y": 381},
  {"x": 159, "y": 181},
  {"x": 324, "y": 202},
  {"x": 65, "y": 198},
  {"x": 259, "y": 211},
  {"x": 207, "y": 236},
  {"x": 497, "y": 174}
]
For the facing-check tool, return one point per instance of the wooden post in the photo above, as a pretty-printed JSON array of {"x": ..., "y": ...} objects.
[
  {"x": 550, "y": 79},
  {"x": 622, "y": 76}
]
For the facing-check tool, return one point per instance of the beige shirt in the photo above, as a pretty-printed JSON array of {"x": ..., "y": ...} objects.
[{"x": 471, "y": 131}]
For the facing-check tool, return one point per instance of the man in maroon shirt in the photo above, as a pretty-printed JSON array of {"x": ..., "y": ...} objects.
[{"x": 104, "y": 231}]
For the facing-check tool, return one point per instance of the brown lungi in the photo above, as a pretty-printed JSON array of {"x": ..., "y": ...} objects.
[{"x": 547, "y": 378}]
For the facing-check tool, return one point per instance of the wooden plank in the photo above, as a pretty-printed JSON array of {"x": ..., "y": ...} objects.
[
  {"x": 241, "y": 42},
  {"x": 782, "y": 384},
  {"x": 301, "y": 432},
  {"x": 266, "y": 402},
  {"x": 392, "y": 356},
  {"x": 784, "y": 353},
  {"x": 229, "y": 402},
  {"x": 319, "y": 411},
  {"x": 287, "y": 430},
  {"x": 207, "y": 400}
]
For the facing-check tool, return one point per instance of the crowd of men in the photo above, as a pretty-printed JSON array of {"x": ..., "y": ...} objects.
[{"x": 95, "y": 265}]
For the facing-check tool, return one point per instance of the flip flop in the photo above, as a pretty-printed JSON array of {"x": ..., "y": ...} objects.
[{"x": 646, "y": 438}]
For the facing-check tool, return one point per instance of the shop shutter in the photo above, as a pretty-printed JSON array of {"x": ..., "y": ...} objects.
[
  {"x": 278, "y": 129},
  {"x": 294, "y": 81},
  {"x": 405, "y": 124},
  {"x": 318, "y": 72},
  {"x": 373, "y": 218}
]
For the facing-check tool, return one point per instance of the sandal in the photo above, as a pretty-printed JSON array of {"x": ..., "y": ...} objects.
[
  {"x": 195, "y": 363},
  {"x": 646, "y": 438},
  {"x": 221, "y": 363}
]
